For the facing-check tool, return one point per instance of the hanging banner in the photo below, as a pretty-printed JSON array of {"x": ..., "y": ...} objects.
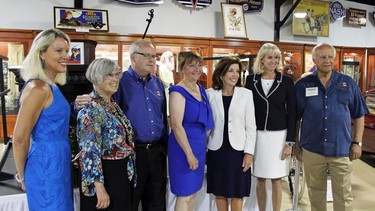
[
  {"x": 196, "y": 4},
  {"x": 249, "y": 5},
  {"x": 142, "y": 1}
]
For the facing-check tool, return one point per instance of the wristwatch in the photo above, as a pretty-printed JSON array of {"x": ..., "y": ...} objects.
[
  {"x": 290, "y": 144},
  {"x": 357, "y": 142}
]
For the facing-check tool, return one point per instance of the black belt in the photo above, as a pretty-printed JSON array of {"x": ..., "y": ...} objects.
[{"x": 145, "y": 145}]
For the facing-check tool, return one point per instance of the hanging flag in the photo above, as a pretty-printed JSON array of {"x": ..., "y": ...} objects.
[
  {"x": 195, "y": 3},
  {"x": 142, "y": 1}
]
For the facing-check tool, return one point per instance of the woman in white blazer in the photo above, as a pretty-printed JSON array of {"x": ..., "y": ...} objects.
[{"x": 232, "y": 141}]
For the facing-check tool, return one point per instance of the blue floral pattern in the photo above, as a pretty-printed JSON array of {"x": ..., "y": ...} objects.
[{"x": 103, "y": 132}]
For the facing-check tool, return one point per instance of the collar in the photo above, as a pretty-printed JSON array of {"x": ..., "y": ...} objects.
[
  {"x": 258, "y": 77},
  {"x": 135, "y": 75}
]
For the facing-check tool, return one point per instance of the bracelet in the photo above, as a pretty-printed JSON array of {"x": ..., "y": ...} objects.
[{"x": 18, "y": 179}]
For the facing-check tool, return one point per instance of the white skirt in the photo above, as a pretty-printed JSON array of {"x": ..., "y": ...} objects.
[{"x": 267, "y": 156}]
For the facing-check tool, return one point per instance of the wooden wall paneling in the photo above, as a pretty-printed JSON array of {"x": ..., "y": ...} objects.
[{"x": 292, "y": 57}]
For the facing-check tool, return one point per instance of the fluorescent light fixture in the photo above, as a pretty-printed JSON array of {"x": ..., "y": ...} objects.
[{"x": 300, "y": 14}]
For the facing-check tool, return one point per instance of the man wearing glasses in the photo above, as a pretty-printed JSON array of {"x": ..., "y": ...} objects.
[{"x": 142, "y": 98}]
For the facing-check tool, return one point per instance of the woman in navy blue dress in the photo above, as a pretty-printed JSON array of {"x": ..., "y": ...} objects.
[
  {"x": 191, "y": 117},
  {"x": 232, "y": 141}
]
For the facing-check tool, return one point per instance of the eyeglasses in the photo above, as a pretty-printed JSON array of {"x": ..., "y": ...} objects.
[
  {"x": 147, "y": 55},
  {"x": 114, "y": 75}
]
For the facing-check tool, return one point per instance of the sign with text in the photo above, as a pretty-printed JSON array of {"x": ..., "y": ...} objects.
[
  {"x": 249, "y": 5},
  {"x": 81, "y": 19},
  {"x": 337, "y": 11},
  {"x": 315, "y": 21},
  {"x": 356, "y": 17}
]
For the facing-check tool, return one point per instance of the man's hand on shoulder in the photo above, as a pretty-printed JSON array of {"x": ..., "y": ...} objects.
[{"x": 81, "y": 101}]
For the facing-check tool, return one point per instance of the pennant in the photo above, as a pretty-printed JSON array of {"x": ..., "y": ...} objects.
[
  {"x": 140, "y": 2},
  {"x": 196, "y": 4}
]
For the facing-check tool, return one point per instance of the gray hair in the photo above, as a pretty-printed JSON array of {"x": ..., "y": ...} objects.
[
  {"x": 99, "y": 68},
  {"x": 32, "y": 65},
  {"x": 266, "y": 48},
  {"x": 137, "y": 45},
  {"x": 321, "y": 45}
]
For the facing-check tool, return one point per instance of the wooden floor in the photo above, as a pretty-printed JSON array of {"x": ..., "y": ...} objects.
[{"x": 363, "y": 185}]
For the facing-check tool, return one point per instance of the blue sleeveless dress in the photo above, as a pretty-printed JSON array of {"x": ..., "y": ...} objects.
[
  {"x": 197, "y": 120},
  {"x": 48, "y": 170}
]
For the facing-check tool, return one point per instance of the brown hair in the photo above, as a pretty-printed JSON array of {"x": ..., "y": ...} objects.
[
  {"x": 187, "y": 57},
  {"x": 222, "y": 68}
]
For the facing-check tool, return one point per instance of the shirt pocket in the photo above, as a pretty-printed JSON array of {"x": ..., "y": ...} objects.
[{"x": 343, "y": 95}]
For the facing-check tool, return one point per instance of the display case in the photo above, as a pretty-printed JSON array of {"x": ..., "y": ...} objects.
[
  {"x": 351, "y": 68},
  {"x": 370, "y": 74},
  {"x": 352, "y": 61}
]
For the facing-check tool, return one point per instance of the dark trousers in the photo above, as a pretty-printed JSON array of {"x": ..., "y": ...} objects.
[
  {"x": 117, "y": 185},
  {"x": 151, "y": 168}
]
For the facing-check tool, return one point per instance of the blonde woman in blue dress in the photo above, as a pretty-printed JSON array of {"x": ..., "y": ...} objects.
[{"x": 41, "y": 145}]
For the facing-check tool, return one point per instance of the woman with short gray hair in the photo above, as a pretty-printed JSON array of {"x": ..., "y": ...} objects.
[{"x": 105, "y": 136}]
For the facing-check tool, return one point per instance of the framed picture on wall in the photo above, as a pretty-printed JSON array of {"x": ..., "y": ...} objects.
[
  {"x": 76, "y": 53},
  {"x": 311, "y": 18},
  {"x": 81, "y": 19},
  {"x": 233, "y": 21}
]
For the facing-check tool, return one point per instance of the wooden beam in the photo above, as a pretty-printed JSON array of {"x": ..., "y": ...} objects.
[{"x": 78, "y": 4}]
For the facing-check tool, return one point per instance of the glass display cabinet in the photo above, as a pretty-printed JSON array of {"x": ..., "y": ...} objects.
[
  {"x": 351, "y": 68},
  {"x": 352, "y": 65}
]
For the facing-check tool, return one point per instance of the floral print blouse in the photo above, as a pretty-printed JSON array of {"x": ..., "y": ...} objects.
[{"x": 103, "y": 132}]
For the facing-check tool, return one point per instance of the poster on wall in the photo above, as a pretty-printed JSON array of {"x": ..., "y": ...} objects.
[
  {"x": 311, "y": 18},
  {"x": 234, "y": 21},
  {"x": 76, "y": 53},
  {"x": 81, "y": 19}
]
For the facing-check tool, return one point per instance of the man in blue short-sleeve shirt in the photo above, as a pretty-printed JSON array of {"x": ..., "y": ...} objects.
[{"x": 327, "y": 102}]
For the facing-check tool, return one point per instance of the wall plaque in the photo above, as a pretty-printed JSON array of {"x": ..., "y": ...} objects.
[{"x": 356, "y": 17}]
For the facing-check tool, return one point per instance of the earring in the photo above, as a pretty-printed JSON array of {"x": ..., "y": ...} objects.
[
  {"x": 43, "y": 63},
  {"x": 221, "y": 77}
]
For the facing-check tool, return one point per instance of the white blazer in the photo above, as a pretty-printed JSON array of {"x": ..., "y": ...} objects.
[{"x": 241, "y": 121}]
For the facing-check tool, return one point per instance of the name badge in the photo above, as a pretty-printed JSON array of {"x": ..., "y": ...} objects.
[{"x": 312, "y": 91}]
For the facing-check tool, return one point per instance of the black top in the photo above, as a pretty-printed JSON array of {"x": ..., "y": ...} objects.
[{"x": 277, "y": 110}]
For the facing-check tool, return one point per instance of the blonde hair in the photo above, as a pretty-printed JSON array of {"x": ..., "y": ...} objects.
[
  {"x": 32, "y": 66},
  {"x": 264, "y": 50}
]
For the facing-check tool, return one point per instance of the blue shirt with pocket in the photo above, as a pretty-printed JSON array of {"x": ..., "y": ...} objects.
[
  {"x": 143, "y": 102},
  {"x": 326, "y": 113}
]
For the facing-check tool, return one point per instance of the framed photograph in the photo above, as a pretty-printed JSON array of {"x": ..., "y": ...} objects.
[
  {"x": 311, "y": 18},
  {"x": 81, "y": 19},
  {"x": 233, "y": 21},
  {"x": 357, "y": 17},
  {"x": 76, "y": 53}
]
